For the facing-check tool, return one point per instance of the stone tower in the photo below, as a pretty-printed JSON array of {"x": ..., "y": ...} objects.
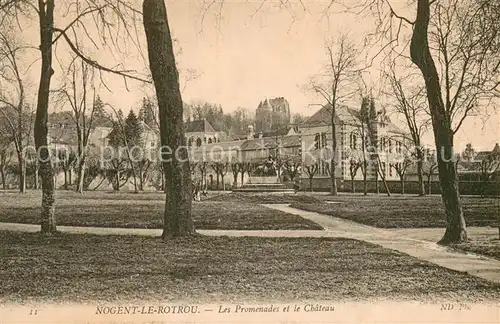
[
  {"x": 272, "y": 114},
  {"x": 263, "y": 117}
]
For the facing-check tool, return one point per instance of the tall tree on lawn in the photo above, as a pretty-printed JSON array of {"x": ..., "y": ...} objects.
[{"x": 177, "y": 217}]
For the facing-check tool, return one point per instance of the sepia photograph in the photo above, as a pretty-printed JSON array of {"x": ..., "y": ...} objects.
[{"x": 249, "y": 161}]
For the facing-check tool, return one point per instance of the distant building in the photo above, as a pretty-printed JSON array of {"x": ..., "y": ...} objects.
[
  {"x": 316, "y": 135},
  {"x": 200, "y": 132},
  {"x": 272, "y": 114}
]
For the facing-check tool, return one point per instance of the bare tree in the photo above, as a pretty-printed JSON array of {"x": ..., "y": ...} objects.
[
  {"x": 443, "y": 110},
  {"x": 202, "y": 167},
  {"x": 112, "y": 19},
  {"x": 311, "y": 171},
  {"x": 355, "y": 158},
  {"x": 221, "y": 168},
  {"x": 177, "y": 219},
  {"x": 66, "y": 158},
  {"x": 5, "y": 157},
  {"x": 401, "y": 168},
  {"x": 78, "y": 93},
  {"x": 335, "y": 85},
  {"x": 126, "y": 136},
  {"x": 409, "y": 101},
  {"x": 14, "y": 110},
  {"x": 235, "y": 169},
  {"x": 462, "y": 37},
  {"x": 292, "y": 165},
  {"x": 430, "y": 166},
  {"x": 487, "y": 167}
]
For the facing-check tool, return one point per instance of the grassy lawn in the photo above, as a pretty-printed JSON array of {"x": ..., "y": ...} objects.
[
  {"x": 485, "y": 245},
  {"x": 78, "y": 268},
  {"x": 265, "y": 198},
  {"x": 403, "y": 211},
  {"x": 145, "y": 210},
  {"x": 413, "y": 212}
]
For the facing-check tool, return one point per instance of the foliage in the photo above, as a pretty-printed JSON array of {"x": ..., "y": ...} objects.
[{"x": 148, "y": 113}]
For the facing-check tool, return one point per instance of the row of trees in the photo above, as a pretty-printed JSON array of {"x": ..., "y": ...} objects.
[{"x": 453, "y": 45}]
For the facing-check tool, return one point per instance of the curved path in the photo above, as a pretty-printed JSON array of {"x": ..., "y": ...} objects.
[{"x": 409, "y": 241}]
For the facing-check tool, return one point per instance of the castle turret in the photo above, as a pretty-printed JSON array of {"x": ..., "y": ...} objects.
[
  {"x": 263, "y": 117},
  {"x": 272, "y": 114}
]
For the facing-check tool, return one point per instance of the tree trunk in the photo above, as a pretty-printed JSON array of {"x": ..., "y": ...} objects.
[
  {"x": 377, "y": 187},
  {"x": 134, "y": 173},
  {"x": 81, "y": 176},
  {"x": 353, "y": 188},
  {"x": 402, "y": 182},
  {"x": 163, "y": 188},
  {"x": 46, "y": 20},
  {"x": 22, "y": 173},
  {"x": 311, "y": 184},
  {"x": 235, "y": 179},
  {"x": 177, "y": 218},
  {"x": 141, "y": 179},
  {"x": 441, "y": 124},
  {"x": 333, "y": 189},
  {"x": 218, "y": 186},
  {"x": 365, "y": 182},
  {"x": 223, "y": 183},
  {"x": 2, "y": 172},
  {"x": 65, "y": 180},
  {"x": 36, "y": 179},
  {"x": 117, "y": 180},
  {"x": 420, "y": 174},
  {"x": 382, "y": 175}
]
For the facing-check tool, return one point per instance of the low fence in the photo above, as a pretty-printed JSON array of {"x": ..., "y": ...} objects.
[{"x": 491, "y": 188}]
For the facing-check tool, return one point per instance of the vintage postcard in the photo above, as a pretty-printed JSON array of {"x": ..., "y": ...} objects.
[{"x": 262, "y": 161}]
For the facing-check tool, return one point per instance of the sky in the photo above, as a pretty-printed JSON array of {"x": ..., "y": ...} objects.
[{"x": 243, "y": 53}]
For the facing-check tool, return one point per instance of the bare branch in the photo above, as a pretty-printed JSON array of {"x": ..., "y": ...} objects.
[{"x": 123, "y": 73}]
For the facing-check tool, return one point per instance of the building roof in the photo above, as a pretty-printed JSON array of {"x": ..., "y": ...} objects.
[
  {"x": 395, "y": 129},
  {"x": 483, "y": 155},
  {"x": 346, "y": 115},
  {"x": 279, "y": 132},
  {"x": 202, "y": 126},
  {"x": 270, "y": 142},
  {"x": 322, "y": 116}
]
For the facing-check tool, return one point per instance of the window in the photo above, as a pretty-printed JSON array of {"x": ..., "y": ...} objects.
[
  {"x": 323, "y": 140},
  {"x": 353, "y": 141},
  {"x": 198, "y": 142},
  {"x": 383, "y": 168},
  {"x": 399, "y": 147},
  {"x": 152, "y": 144},
  {"x": 316, "y": 141},
  {"x": 209, "y": 140},
  {"x": 390, "y": 146},
  {"x": 390, "y": 170}
]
